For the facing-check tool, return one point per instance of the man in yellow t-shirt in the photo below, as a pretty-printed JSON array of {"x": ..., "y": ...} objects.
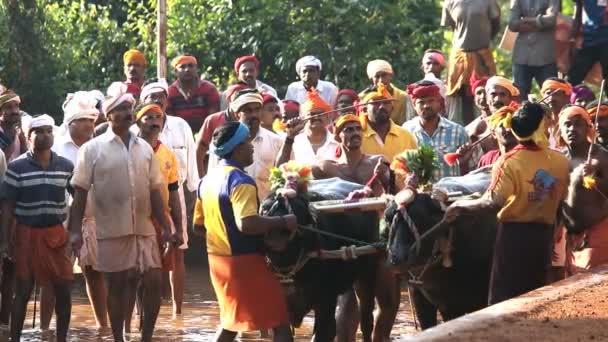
[
  {"x": 381, "y": 136},
  {"x": 528, "y": 186}
]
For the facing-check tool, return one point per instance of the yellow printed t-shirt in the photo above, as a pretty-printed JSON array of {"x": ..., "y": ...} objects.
[
  {"x": 226, "y": 195},
  {"x": 168, "y": 167},
  {"x": 532, "y": 182},
  {"x": 397, "y": 140}
]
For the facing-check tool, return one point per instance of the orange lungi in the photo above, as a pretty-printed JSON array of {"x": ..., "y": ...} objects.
[
  {"x": 249, "y": 295},
  {"x": 595, "y": 252},
  {"x": 462, "y": 64},
  {"x": 42, "y": 253}
]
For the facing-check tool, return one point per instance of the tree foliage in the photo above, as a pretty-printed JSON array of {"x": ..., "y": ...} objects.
[{"x": 78, "y": 44}]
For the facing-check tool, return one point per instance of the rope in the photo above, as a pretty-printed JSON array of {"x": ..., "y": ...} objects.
[{"x": 341, "y": 237}]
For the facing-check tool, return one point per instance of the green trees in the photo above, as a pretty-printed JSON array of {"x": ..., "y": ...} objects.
[{"x": 78, "y": 44}]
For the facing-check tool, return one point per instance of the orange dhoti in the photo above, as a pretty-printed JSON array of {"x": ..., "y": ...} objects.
[
  {"x": 41, "y": 253},
  {"x": 249, "y": 295},
  {"x": 464, "y": 63},
  {"x": 595, "y": 252}
]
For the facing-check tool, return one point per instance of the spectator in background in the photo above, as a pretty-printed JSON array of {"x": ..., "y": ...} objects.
[
  {"x": 381, "y": 71},
  {"x": 309, "y": 70},
  {"x": 581, "y": 95},
  {"x": 593, "y": 16},
  {"x": 247, "y": 69},
  {"x": 134, "y": 68},
  {"x": 475, "y": 23},
  {"x": 346, "y": 98},
  {"x": 270, "y": 111},
  {"x": 191, "y": 98}
]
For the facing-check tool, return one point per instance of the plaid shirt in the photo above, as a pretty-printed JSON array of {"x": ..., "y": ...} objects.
[{"x": 447, "y": 138}]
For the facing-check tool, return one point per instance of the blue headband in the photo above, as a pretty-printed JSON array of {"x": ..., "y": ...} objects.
[{"x": 241, "y": 134}]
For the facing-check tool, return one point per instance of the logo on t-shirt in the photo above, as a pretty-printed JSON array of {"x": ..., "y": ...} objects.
[{"x": 543, "y": 184}]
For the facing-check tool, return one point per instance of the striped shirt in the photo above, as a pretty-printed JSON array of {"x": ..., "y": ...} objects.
[
  {"x": 447, "y": 138},
  {"x": 39, "y": 194}
]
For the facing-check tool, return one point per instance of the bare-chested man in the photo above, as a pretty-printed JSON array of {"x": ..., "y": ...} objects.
[
  {"x": 479, "y": 127},
  {"x": 355, "y": 166},
  {"x": 602, "y": 121}
]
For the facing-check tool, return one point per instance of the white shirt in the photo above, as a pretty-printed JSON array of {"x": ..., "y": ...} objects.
[
  {"x": 123, "y": 179},
  {"x": 304, "y": 153},
  {"x": 266, "y": 147},
  {"x": 327, "y": 90}
]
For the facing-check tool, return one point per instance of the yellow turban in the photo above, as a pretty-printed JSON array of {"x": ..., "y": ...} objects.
[
  {"x": 343, "y": 120},
  {"x": 502, "y": 82},
  {"x": 501, "y": 116},
  {"x": 179, "y": 60},
  {"x": 314, "y": 101},
  {"x": 378, "y": 65},
  {"x": 134, "y": 55},
  {"x": 556, "y": 85}
]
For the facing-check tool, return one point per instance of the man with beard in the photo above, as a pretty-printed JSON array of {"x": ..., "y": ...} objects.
[
  {"x": 381, "y": 72},
  {"x": 602, "y": 121},
  {"x": 191, "y": 98},
  {"x": 528, "y": 184},
  {"x": 559, "y": 92},
  {"x": 309, "y": 70},
  {"x": 446, "y": 136},
  {"x": 12, "y": 138},
  {"x": 500, "y": 92},
  {"x": 247, "y": 69},
  {"x": 134, "y": 69},
  {"x": 380, "y": 133},
  {"x": 34, "y": 196},
  {"x": 127, "y": 181},
  {"x": 479, "y": 127},
  {"x": 177, "y": 136},
  {"x": 315, "y": 143},
  {"x": 355, "y": 166},
  {"x": 245, "y": 107}
]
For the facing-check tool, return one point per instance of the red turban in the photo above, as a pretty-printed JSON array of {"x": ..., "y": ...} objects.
[
  {"x": 248, "y": 58},
  {"x": 233, "y": 89},
  {"x": 348, "y": 92},
  {"x": 291, "y": 105},
  {"x": 477, "y": 82},
  {"x": 416, "y": 91},
  {"x": 267, "y": 98}
]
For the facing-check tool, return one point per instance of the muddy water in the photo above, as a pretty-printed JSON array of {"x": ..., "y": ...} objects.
[{"x": 198, "y": 323}]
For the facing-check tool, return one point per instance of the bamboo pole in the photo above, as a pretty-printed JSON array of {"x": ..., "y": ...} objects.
[{"x": 161, "y": 37}]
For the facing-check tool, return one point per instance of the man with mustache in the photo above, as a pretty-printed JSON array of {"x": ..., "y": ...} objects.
[
  {"x": 381, "y": 71},
  {"x": 127, "y": 182},
  {"x": 247, "y": 69},
  {"x": 309, "y": 71},
  {"x": 479, "y": 127},
  {"x": 444, "y": 135},
  {"x": 246, "y": 107},
  {"x": 558, "y": 92},
  {"x": 191, "y": 98},
  {"x": 34, "y": 196},
  {"x": 134, "y": 68},
  {"x": 177, "y": 136},
  {"x": 381, "y": 135},
  {"x": 12, "y": 138},
  {"x": 602, "y": 121},
  {"x": 315, "y": 143}
]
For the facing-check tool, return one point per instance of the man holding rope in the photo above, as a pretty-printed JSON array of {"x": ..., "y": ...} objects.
[
  {"x": 528, "y": 185},
  {"x": 249, "y": 295}
]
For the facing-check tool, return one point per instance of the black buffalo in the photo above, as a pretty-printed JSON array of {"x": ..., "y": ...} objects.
[
  {"x": 455, "y": 290},
  {"x": 316, "y": 284}
]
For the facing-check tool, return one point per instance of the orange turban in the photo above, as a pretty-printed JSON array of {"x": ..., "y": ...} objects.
[
  {"x": 603, "y": 111},
  {"x": 134, "y": 55},
  {"x": 500, "y": 115},
  {"x": 183, "y": 59},
  {"x": 151, "y": 107},
  {"x": 313, "y": 102},
  {"x": 555, "y": 85},
  {"x": 570, "y": 112},
  {"x": 343, "y": 120},
  {"x": 380, "y": 94}
]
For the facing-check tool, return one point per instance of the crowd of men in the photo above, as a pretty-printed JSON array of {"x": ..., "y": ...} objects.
[{"x": 114, "y": 184}]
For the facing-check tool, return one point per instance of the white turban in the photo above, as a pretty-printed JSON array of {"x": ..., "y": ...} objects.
[
  {"x": 40, "y": 121},
  {"x": 308, "y": 61},
  {"x": 439, "y": 83},
  {"x": 116, "y": 88},
  {"x": 378, "y": 65},
  {"x": 154, "y": 87},
  {"x": 244, "y": 99},
  {"x": 115, "y": 101},
  {"x": 80, "y": 105}
]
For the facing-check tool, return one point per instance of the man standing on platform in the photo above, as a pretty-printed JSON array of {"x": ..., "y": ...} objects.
[
  {"x": 135, "y": 64},
  {"x": 309, "y": 70}
]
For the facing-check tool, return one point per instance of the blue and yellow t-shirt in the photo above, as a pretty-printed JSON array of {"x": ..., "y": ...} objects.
[
  {"x": 226, "y": 196},
  {"x": 531, "y": 182}
]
